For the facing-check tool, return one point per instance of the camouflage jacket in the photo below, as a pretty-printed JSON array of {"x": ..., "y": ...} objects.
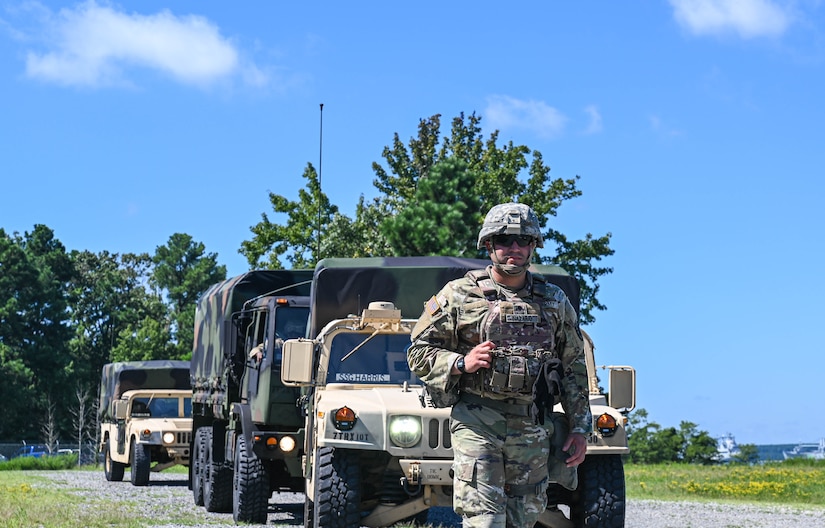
[{"x": 446, "y": 330}]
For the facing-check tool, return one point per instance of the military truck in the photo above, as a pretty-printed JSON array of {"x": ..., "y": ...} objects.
[
  {"x": 145, "y": 418},
  {"x": 376, "y": 450},
  {"x": 247, "y": 427}
]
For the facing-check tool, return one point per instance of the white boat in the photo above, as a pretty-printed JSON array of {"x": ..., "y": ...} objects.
[
  {"x": 815, "y": 451},
  {"x": 726, "y": 448}
]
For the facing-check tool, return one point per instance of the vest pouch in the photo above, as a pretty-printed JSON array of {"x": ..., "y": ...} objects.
[{"x": 518, "y": 373}]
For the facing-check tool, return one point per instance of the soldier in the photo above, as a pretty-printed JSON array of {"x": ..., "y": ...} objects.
[{"x": 498, "y": 345}]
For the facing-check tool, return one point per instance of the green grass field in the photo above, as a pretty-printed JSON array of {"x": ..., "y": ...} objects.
[{"x": 800, "y": 483}]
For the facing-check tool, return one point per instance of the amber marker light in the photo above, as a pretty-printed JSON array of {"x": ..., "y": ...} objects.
[
  {"x": 606, "y": 424},
  {"x": 344, "y": 419}
]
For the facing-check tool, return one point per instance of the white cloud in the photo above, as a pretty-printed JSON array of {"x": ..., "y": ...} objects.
[
  {"x": 94, "y": 45},
  {"x": 509, "y": 113},
  {"x": 660, "y": 128},
  {"x": 747, "y": 18},
  {"x": 595, "y": 124}
]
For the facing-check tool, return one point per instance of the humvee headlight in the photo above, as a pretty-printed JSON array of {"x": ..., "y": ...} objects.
[
  {"x": 405, "y": 431},
  {"x": 168, "y": 438},
  {"x": 606, "y": 425},
  {"x": 287, "y": 444},
  {"x": 344, "y": 419}
]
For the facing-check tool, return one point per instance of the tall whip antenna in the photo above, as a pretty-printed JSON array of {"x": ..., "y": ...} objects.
[{"x": 320, "y": 158}]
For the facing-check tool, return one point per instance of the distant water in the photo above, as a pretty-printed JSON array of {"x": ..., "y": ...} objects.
[{"x": 773, "y": 452}]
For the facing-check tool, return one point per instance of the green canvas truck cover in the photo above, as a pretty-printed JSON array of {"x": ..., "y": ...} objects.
[
  {"x": 341, "y": 287},
  {"x": 213, "y": 319},
  {"x": 123, "y": 376}
]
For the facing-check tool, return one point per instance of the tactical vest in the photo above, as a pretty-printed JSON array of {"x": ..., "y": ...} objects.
[{"x": 523, "y": 335}]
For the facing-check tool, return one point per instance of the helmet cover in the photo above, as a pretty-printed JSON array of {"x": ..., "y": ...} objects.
[{"x": 510, "y": 219}]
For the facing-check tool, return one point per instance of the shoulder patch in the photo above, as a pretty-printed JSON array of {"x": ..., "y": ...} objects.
[{"x": 432, "y": 306}]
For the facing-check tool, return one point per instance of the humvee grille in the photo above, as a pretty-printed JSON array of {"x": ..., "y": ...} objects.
[
  {"x": 439, "y": 433},
  {"x": 184, "y": 437}
]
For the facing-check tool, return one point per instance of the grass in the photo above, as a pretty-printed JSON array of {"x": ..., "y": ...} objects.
[
  {"x": 794, "y": 482},
  {"x": 27, "y": 500}
]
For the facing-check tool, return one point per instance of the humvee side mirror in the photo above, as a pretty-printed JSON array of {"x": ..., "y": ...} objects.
[
  {"x": 119, "y": 409},
  {"x": 296, "y": 365},
  {"x": 622, "y": 388}
]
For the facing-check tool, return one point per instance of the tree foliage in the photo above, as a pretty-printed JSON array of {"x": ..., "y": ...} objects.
[
  {"x": 63, "y": 316},
  {"x": 650, "y": 443},
  {"x": 433, "y": 195}
]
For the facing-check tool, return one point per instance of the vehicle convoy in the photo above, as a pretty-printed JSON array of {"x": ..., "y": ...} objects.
[
  {"x": 145, "y": 418},
  {"x": 247, "y": 428},
  {"x": 376, "y": 451}
]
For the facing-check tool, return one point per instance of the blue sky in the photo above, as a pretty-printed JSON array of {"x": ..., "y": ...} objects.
[{"x": 695, "y": 126}]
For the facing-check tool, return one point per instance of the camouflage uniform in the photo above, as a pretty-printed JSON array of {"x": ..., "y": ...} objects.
[{"x": 500, "y": 453}]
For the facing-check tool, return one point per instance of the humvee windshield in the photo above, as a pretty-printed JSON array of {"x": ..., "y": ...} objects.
[
  {"x": 161, "y": 407},
  {"x": 380, "y": 360}
]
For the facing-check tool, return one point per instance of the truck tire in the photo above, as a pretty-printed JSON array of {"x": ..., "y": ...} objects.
[
  {"x": 337, "y": 489},
  {"x": 141, "y": 462},
  {"x": 198, "y": 462},
  {"x": 250, "y": 486},
  {"x": 599, "y": 501},
  {"x": 217, "y": 481},
  {"x": 113, "y": 470}
]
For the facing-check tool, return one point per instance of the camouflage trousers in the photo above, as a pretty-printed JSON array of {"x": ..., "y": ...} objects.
[{"x": 500, "y": 465}]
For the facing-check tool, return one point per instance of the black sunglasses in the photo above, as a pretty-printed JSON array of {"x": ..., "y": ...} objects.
[{"x": 507, "y": 240}]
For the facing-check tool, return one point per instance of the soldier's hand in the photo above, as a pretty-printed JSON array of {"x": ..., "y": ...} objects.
[
  {"x": 479, "y": 357},
  {"x": 576, "y": 447}
]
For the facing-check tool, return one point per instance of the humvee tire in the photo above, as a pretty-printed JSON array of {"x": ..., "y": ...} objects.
[
  {"x": 338, "y": 485},
  {"x": 113, "y": 470},
  {"x": 250, "y": 487},
  {"x": 141, "y": 463},
  {"x": 599, "y": 501}
]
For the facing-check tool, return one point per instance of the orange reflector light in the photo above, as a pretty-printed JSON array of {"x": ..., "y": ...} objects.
[
  {"x": 344, "y": 419},
  {"x": 606, "y": 424}
]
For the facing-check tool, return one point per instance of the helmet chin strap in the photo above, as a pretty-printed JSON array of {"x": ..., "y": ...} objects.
[{"x": 508, "y": 269}]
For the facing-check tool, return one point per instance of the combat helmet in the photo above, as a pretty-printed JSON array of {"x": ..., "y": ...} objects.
[{"x": 510, "y": 218}]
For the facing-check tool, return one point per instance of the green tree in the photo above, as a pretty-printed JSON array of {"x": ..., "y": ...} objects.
[
  {"x": 474, "y": 171},
  {"x": 298, "y": 239},
  {"x": 650, "y": 443},
  {"x": 108, "y": 297},
  {"x": 748, "y": 454},
  {"x": 35, "y": 363},
  {"x": 183, "y": 270},
  {"x": 435, "y": 220}
]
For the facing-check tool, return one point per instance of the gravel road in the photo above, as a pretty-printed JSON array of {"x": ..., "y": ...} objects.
[{"x": 168, "y": 497}]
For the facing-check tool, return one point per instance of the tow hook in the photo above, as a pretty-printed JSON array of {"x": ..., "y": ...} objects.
[{"x": 415, "y": 479}]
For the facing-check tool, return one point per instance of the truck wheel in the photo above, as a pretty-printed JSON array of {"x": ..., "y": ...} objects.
[
  {"x": 198, "y": 462},
  {"x": 113, "y": 470},
  {"x": 141, "y": 462},
  {"x": 217, "y": 481},
  {"x": 337, "y": 489},
  {"x": 250, "y": 486},
  {"x": 599, "y": 501}
]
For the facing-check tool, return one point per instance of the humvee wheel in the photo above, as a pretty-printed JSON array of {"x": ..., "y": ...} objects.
[
  {"x": 217, "y": 481},
  {"x": 250, "y": 486},
  {"x": 337, "y": 489},
  {"x": 599, "y": 501},
  {"x": 198, "y": 462},
  {"x": 113, "y": 470},
  {"x": 141, "y": 459}
]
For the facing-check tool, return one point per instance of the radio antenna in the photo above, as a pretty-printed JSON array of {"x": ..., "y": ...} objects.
[{"x": 320, "y": 194}]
